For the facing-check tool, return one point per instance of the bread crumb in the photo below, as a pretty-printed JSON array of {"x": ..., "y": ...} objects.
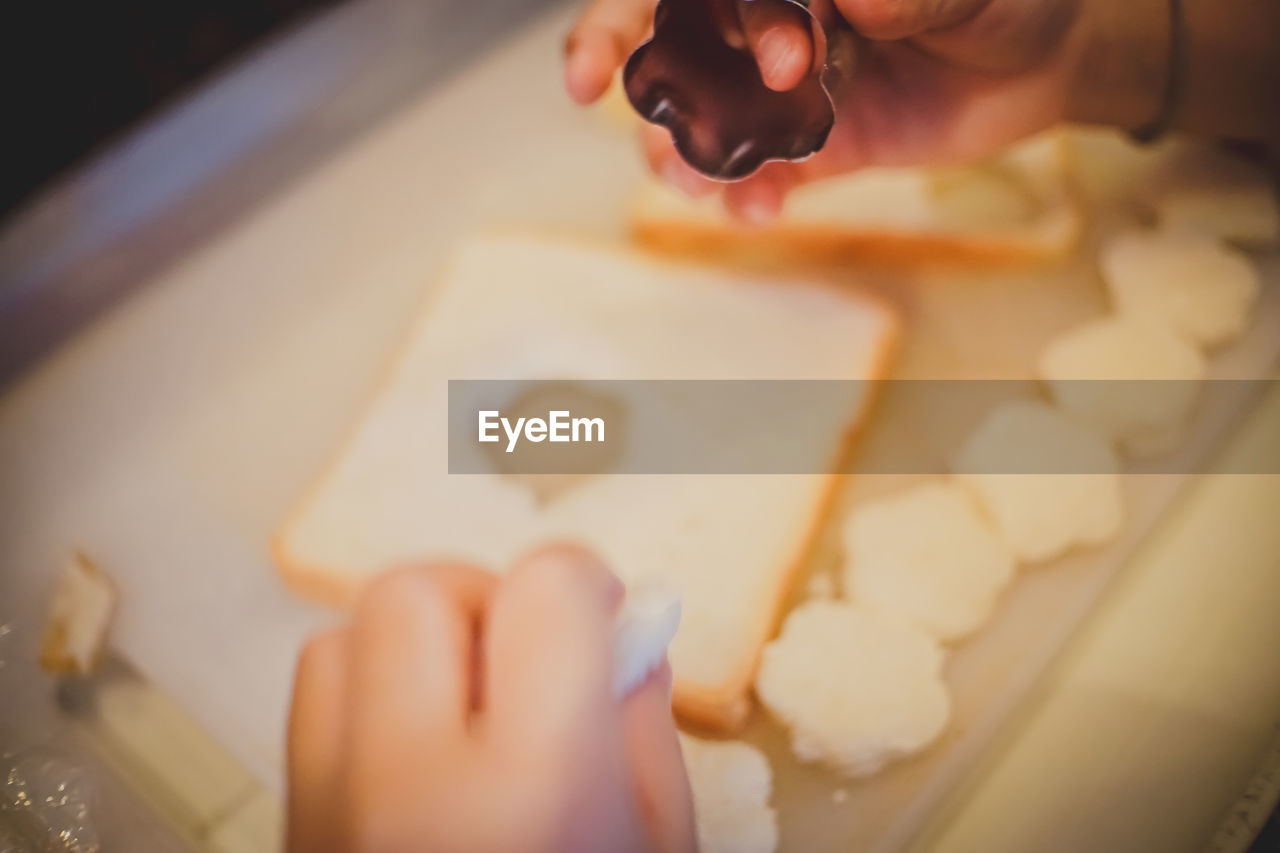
[
  {"x": 79, "y": 617},
  {"x": 839, "y": 796},
  {"x": 820, "y": 585},
  {"x": 731, "y": 783}
]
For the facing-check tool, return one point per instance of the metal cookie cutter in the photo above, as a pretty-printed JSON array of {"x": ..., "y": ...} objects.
[{"x": 697, "y": 77}]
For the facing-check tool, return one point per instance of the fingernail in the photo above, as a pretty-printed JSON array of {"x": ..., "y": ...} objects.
[
  {"x": 776, "y": 55},
  {"x": 758, "y": 211},
  {"x": 581, "y": 72},
  {"x": 558, "y": 562}
]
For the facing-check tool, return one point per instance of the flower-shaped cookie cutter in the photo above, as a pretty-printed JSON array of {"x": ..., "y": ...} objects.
[{"x": 697, "y": 78}]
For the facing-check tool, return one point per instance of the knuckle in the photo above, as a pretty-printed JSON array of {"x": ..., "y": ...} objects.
[
  {"x": 368, "y": 825},
  {"x": 888, "y": 18},
  {"x": 565, "y": 566},
  {"x": 397, "y": 589},
  {"x": 319, "y": 650}
]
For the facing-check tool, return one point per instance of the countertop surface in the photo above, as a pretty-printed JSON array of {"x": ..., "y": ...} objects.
[{"x": 1149, "y": 728}]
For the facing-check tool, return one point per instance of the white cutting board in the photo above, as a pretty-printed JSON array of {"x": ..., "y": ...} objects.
[{"x": 170, "y": 439}]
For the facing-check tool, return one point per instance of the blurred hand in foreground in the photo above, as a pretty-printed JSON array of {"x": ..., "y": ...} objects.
[{"x": 463, "y": 711}]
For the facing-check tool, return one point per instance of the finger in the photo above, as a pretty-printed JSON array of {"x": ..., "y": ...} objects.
[
  {"x": 659, "y": 781},
  {"x": 781, "y": 41},
  {"x": 600, "y": 42},
  {"x": 550, "y": 651},
  {"x": 899, "y": 19},
  {"x": 413, "y": 645},
  {"x": 666, "y": 163},
  {"x": 317, "y": 718},
  {"x": 589, "y": 66},
  {"x": 759, "y": 199}
]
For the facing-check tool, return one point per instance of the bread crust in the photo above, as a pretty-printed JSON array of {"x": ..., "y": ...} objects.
[
  {"x": 829, "y": 244},
  {"x": 1050, "y": 237}
]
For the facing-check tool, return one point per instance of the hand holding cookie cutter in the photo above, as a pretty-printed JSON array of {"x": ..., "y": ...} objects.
[{"x": 698, "y": 78}]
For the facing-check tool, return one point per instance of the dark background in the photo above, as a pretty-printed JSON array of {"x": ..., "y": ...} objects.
[{"x": 75, "y": 74}]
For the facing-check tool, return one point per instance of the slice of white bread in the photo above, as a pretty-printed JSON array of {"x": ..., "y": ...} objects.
[
  {"x": 927, "y": 553},
  {"x": 857, "y": 687},
  {"x": 731, "y": 783},
  {"x": 1203, "y": 289},
  {"x": 520, "y": 307},
  {"x": 1013, "y": 209}
]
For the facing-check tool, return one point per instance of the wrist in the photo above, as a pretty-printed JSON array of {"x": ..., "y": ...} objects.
[{"x": 1123, "y": 68}]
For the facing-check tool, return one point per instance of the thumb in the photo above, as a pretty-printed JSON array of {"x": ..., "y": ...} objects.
[
  {"x": 900, "y": 19},
  {"x": 660, "y": 785}
]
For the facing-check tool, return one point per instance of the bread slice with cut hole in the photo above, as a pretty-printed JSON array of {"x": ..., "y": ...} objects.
[
  {"x": 519, "y": 307},
  {"x": 1012, "y": 209}
]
